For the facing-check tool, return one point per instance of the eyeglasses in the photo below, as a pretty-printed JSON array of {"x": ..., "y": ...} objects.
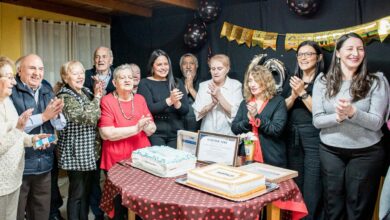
[
  {"x": 11, "y": 77},
  {"x": 306, "y": 54}
]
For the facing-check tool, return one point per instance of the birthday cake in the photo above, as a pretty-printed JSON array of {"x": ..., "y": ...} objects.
[
  {"x": 163, "y": 161},
  {"x": 226, "y": 181}
]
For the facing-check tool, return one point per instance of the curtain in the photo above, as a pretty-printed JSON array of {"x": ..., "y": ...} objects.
[{"x": 58, "y": 42}]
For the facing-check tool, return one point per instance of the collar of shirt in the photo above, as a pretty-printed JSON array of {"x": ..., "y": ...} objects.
[
  {"x": 228, "y": 83},
  {"x": 35, "y": 92}
]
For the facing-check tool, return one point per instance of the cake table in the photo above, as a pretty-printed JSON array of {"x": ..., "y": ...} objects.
[{"x": 153, "y": 197}]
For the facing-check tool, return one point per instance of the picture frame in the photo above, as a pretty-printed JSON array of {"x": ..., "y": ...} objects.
[
  {"x": 272, "y": 174},
  {"x": 187, "y": 141},
  {"x": 217, "y": 148}
]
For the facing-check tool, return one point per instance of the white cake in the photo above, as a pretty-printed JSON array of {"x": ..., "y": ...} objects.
[
  {"x": 163, "y": 161},
  {"x": 226, "y": 181}
]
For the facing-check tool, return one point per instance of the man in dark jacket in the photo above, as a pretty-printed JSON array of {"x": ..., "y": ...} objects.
[
  {"x": 101, "y": 71},
  {"x": 32, "y": 91}
]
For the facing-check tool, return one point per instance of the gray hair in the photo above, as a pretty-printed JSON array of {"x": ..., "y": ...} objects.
[
  {"x": 121, "y": 68},
  {"x": 189, "y": 55},
  {"x": 109, "y": 51},
  {"x": 18, "y": 62},
  {"x": 134, "y": 65}
]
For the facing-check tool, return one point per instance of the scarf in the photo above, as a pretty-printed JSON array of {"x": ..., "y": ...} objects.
[{"x": 255, "y": 122}]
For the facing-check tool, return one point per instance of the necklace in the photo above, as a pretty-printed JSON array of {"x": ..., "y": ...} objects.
[{"x": 120, "y": 107}]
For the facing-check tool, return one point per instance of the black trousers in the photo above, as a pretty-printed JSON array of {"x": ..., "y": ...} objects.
[
  {"x": 56, "y": 199},
  {"x": 78, "y": 195},
  {"x": 303, "y": 156},
  {"x": 96, "y": 193},
  {"x": 351, "y": 181}
]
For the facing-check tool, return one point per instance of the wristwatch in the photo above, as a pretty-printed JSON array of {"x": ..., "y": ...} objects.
[{"x": 304, "y": 96}]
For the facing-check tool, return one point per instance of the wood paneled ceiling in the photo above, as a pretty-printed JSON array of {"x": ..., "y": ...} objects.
[{"x": 101, "y": 10}]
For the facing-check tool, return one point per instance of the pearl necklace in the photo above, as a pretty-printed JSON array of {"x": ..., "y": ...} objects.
[{"x": 120, "y": 107}]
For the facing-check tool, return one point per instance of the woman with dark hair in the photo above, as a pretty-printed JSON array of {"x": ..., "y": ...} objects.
[
  {"x": 264, "y": 113},
  {"x": 165, "y": 98},
  {"x": 303, "y": 138},
  {"x": 350, "y": 106}
]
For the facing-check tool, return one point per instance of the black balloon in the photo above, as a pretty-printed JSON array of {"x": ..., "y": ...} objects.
[
  {"x": 209, "y": 10},
  {"x": 195, "y": 35},
  {"x": 303, "y": 7}
]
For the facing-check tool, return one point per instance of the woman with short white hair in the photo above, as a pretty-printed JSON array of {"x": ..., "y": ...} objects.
[{"x": 13, "y": 139}]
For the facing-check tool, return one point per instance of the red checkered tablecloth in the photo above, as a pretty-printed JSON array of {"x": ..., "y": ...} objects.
[{"x": 153, "y": 197}]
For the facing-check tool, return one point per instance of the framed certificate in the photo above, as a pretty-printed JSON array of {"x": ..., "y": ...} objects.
[
  {"x": 187, "y": 141},
  {"x": 217, "y": 148},
  {"x": 272, "y": 174}
]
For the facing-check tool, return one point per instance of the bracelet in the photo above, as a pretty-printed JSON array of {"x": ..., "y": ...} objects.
[{"x": 304, "y": 96}]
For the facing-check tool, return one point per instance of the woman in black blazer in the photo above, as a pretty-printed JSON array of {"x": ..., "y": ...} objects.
[{"x": 264, "y": 113}]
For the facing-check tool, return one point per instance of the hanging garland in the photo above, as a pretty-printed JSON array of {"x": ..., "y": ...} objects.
[{"x": 376, "y": 30}]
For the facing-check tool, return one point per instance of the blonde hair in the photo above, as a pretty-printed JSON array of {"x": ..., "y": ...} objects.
[
  {"x": 64, "y": 71},
  {"x": 3, "y": 62},
  {"x": 262, "y": 76},
  {"x": 221, "y": 58}
]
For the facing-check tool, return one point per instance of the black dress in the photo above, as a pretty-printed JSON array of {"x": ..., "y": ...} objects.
[
  {"x": 273, "y": 120},
  {"x": 168, "y": 119}
]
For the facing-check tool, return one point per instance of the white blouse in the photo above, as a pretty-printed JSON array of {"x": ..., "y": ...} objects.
[{"x": 216, "y": 120}]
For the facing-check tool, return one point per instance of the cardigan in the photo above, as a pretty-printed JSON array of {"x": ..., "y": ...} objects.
[
  {"x": 76, "y": 143},
  {"x": 12, "y": 143},
  {"x": 273, "y": 120}
]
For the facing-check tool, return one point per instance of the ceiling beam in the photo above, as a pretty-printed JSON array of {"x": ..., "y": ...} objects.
[
  {"x": 117, "y": 5},
  {"x": 190, "y": 4},
  {"x": 61, "y": 9}
]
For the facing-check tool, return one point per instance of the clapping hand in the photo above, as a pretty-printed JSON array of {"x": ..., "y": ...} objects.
[
  {"x": 297, "y": 86},
  {"x": 53, "y": 109},
  {"x": 143, "y": 122},
  {"x": 344, "y": 109},
  {"x": 214, "y": 91},
  {"x": 189, "y": 80},
  {"x": 176, "y": 95},
  {"x": 96, "y": 80},
  {"x": 252, "y": 109},
  {"x": 98, "y": 88},
  {"x": 23, "y": 119}
]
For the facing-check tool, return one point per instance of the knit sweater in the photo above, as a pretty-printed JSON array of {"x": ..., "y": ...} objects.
[
  {"x": 364, "y": 128},
  {"x": 12, "y": 142}
]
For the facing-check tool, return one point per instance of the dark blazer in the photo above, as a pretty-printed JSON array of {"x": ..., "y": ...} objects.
[
  {"x": 36, "y": 161},
  {"x": 89, "y": 81},
  {"x": 273, "y": 120}
]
